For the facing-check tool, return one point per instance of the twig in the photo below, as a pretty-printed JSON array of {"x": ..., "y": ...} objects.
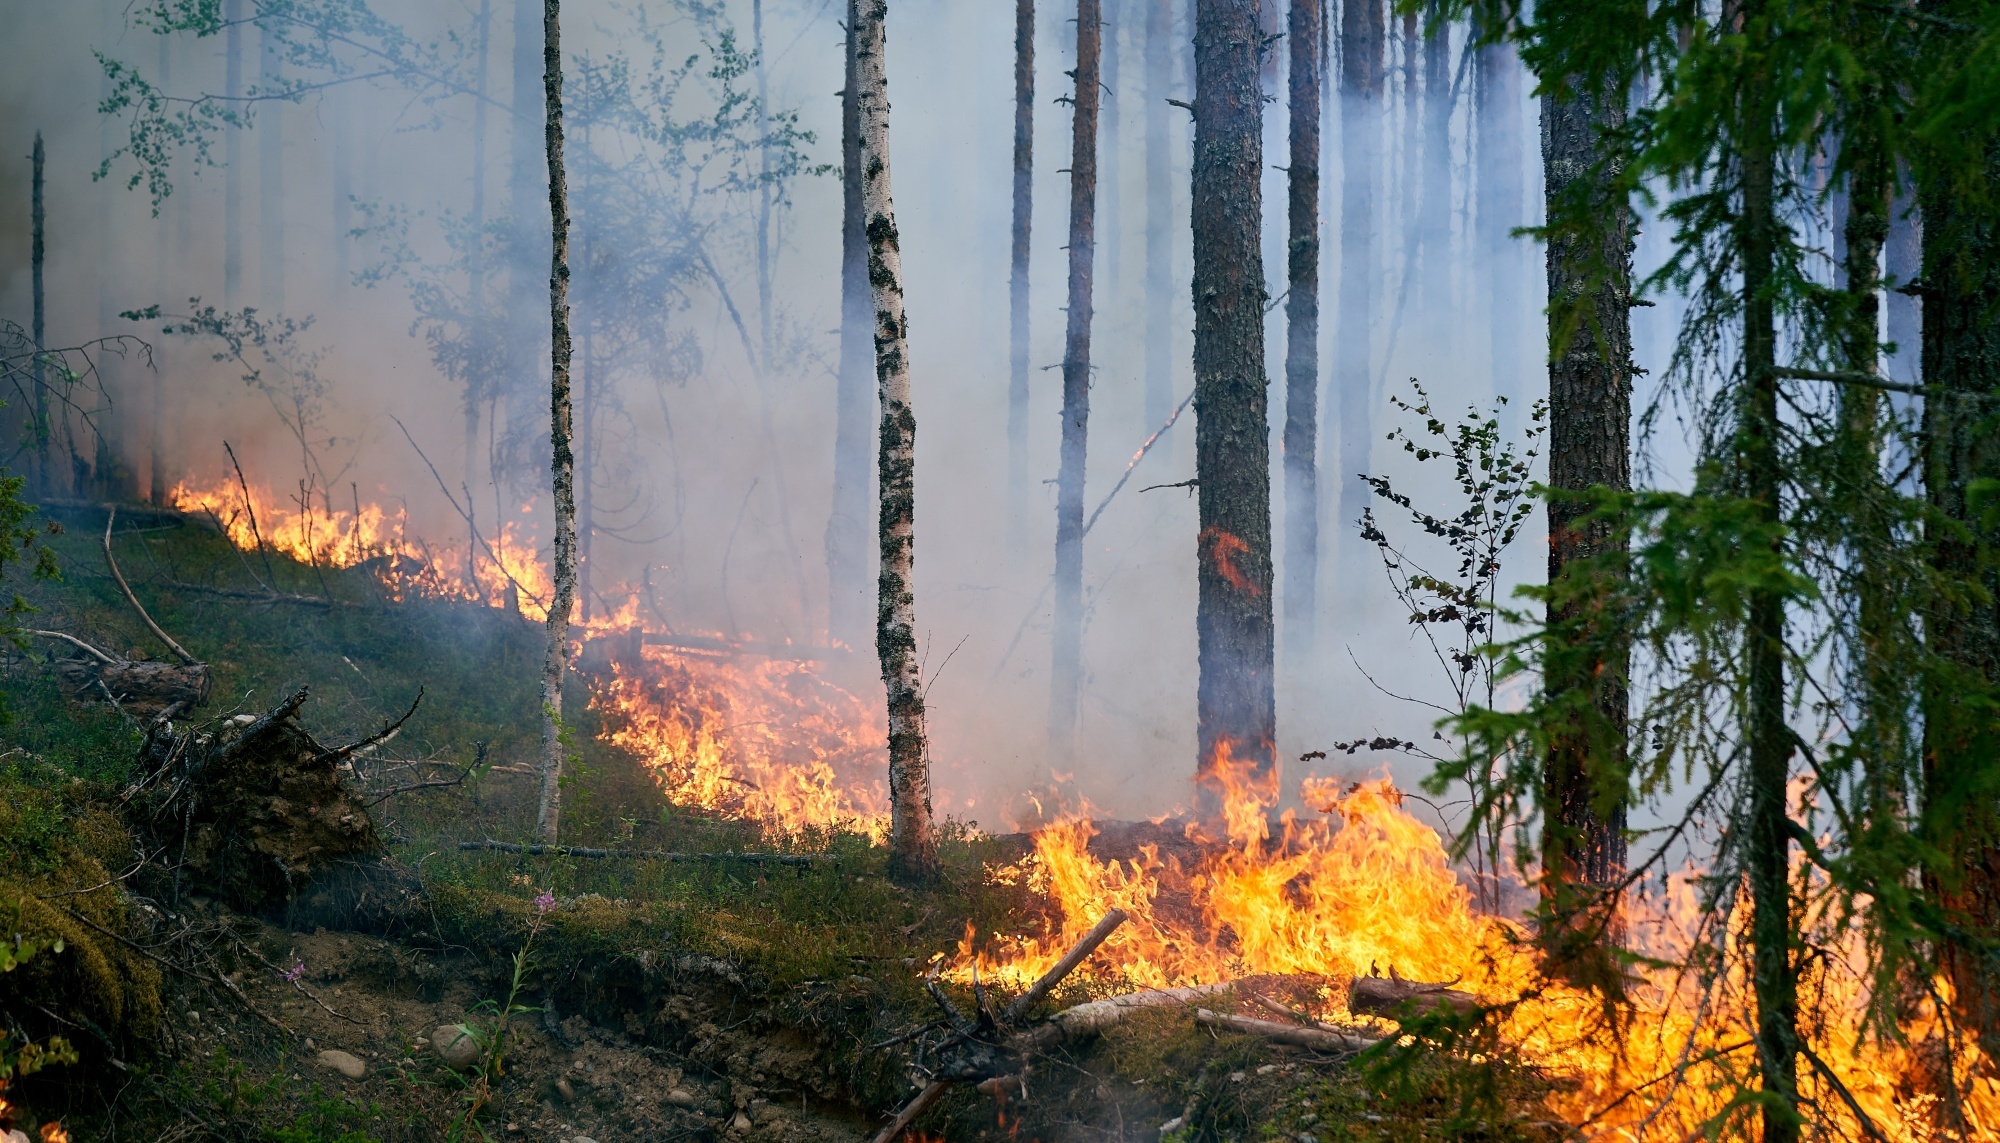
[
  {"x": 1190, "y": 482},
  {"x": 1286, "y": 1033},
  {"x": 802, "y": 859},
  {"x": 911, "y": 1110},
  {"x": 464, "y": 515},
  {"x": 1075, "y": 956},
  {"x": 109, "y": 520},
  {"x": 388, "y": 732},
  {"x": 250, "y": 510},
  {"x": 1846, "y": 1096},
  {"x": 101, "y": 656}
]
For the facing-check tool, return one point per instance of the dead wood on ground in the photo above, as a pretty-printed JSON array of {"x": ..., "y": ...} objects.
[
  {"x": 1316, "y": 1037},
  {"x": 1394, "y": 996},
  {"x": 651, "y": 854}
]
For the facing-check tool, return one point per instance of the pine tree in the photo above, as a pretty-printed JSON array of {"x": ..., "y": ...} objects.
[
  {"x": 1017, "y": 282},
  {"x": 1301, "y": 437}
]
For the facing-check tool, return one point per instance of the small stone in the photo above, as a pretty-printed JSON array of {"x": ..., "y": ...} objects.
[
  {"x": 740, "y": 1123},
  {"x": 1267, "y": 1069},
  {"x": 681, "y": 1097},
  {"x": 564, "y": 1089},
  {"x": 456, "y": 1046},
  {"x": 1237, "y": 1077},
  {"x": 344, "y": 1063},
  {"x": 1173, "y": 1125},
  {"x": 582, "y": 1139}
]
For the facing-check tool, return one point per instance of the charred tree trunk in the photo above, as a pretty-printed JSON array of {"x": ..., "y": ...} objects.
[
  {"x": 232, "y": 158},
  {"x": 1017, "y": 285},
  {"x": 913, "y": 856},
  {"x": 1301, "y": 439},
  {"x": 270, "y": 178},
  {"x": 38, "y": 371},
  {"x": 1961, "y": 360},
  {"x": 1159, "y": 398},
  {"x": 1236, "y": 713},
  {"x": 1361, "y": 104},
  {"x": 1590, "y": 446},
  {"x": 562, "y": 462},
  {"x": 847, "y": 527},
  {"x": 1774, "y": 974},
  {"x": 1066, "y": 670}
]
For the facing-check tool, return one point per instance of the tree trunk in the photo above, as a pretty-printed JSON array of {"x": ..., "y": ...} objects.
[
  {"x": 1236, "y": 711},
  {"x": 1435, "y": 220},
  {"x": 1159, "y": 397},
  {"x": 163, "y": 238},
  {"x": 1017, "y": 285},
  {"x": 764, "y": 253},
  {"x": 1961, "y": 355},
  {"x": 38, "y": 371},
  {"x": 232, "y": 159},
  {"x": 913, "y": 856},
  {"x": 1068, "y": 631},
  {"x": 562, "y": 462},
  {"x": 1301, "y": 439},
  {"x": 1774, "y": 975},
  {"x": 847, "y": 526},
  {"x": 270, "y": 179},
  {"x": 1501, "y": 196},
  {"x": 1112, "y": 149},
  {"x": 528, "y": 253},
  {"x": 477, "y": 331},
  {"x": 1590, "y": 446},
  {"x": 1361, "y": 106}
]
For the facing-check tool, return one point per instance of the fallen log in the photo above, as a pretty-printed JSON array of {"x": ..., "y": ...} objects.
[
  {"x": 1393, "y": 996},
  {"x": 651, "y": 854},
  {"x": 1317, "y": 1038},
  {"x": 142, "y": 688}
]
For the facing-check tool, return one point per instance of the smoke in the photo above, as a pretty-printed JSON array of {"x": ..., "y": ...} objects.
[{"x": 713, "y": 462}]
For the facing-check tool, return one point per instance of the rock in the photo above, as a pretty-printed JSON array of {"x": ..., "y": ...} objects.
[
  {"x": 456, "y": 1046},
  {"x": 740, "y": 1123},
  {"x": 566, "y": 1090},
  {"x": 344, "y": 1063},
  {"x": 582, "y": 1139},
  {"x": 681, "y": 1097}
]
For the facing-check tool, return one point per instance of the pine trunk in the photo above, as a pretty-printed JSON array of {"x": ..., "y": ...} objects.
[
  {"x": 1017, "y": 284},
  {"x": 1361, "y": 112},
  {"x": 1774, "y": 975},
  {"x": 847, "y": 526},
  {"x": 1159, "y": 397},
  {"x": 1067, "y": 637},
  {"x": 1236, "y": 712},
  {"x": 1961, "y": 359},
  {"x": 1301, "y": 438},
  {"x": 913, "y": 856},
  {"x": 562, "y": 462},
  {"x": 38, "y": 371},
  {"x": 1590, "y": 446}
]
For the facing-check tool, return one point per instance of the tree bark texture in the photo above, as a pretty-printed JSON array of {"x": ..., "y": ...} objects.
[
  {"x": 1590, "y": 446},
  {"x": 847, "y": 526},
  {"x": 1961, "y": 355},
  {"x": 1236, "y": 710},
  {"x": 38, "y": 371},
  {"x": 562, "y": 461},
  {"x": 1361, "y": 115},
  {"x": 913, "y": 853},
  {"x": 1017, "y": 284},
  {"x": 1065, "y": 674},
  {"x": 1159, "y": 397},
  {"x": 1301, "y": 438},
  {"x": 1774, "y": 975}
]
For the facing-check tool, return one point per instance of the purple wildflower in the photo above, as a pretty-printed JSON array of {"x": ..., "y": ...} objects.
[
  {"x": 545, "y": 902},
  {"x": 293, "y": 973}
]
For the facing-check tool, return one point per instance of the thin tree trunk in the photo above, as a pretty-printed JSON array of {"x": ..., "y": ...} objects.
[
  {"x": 528, "y": 252},
  {"x": 1361, "y": 107},
  {"x": 1301, "y": 439},
  {"x": 1159, "y": 398},
  {"x": 764, "y": 254},
  {"x": 847, "y": 525},
  {"x": 270, "y": 178},
  {"x": 1435, "y": 221},
  {"x": 1501, "y": 209},
  {"x": 562, "y": 462},
  {"x": 163, "y": 238},
  {"x": 913, "y": 856},
  {"x": 1774, "y": 975},
  {"x": 232, "y": 160},
  {"x": 588, "y": 387},
  {"x": 1067, "y": 637},
  {"x": 1590, "y": 446},
  {"x": 38, "y": 251},
  {"x": 477, "y": 330},
  {"x": 1961, "y": 355},
  {"x": 1017, "y": 286},
  {"x": 1111, "y": 151},
  {"x": 1236, "y": 711},
  {"x": 1410, "y": 168}
]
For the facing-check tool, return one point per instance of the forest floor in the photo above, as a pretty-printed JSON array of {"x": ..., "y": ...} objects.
[{"x": 695, "y": 1000}]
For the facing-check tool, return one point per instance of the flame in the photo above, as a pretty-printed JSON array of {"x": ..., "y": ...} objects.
[{"x": 55, "y": 1132}]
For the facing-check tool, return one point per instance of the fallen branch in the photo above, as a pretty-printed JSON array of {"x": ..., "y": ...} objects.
[
  {"x": 652, "y": 854},
  {"x": 1062, "y": 968},
  {"x": 912, "y": 1109},
  {"x": 101, "y": 656},
  {"x": 1315, "y": 1038},
  {"x": 112, "y": 518},
  {"x": 388, "y": 732},
  {"x": 1385, "y": 996}
]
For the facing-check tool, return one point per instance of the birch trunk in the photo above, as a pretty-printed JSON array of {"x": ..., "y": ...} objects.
[
  {"x": 1236, "y": 713},
  {"x": 1301, "y": 438},
  {"x": 1590, "y": 446},
  {"x": 562, "y": 462},
  {"x": 1067, "y": 636},
  {"x": 913, "y": 857},
  {"x": 847, "y": 526},
  {"x": 1017, "y": 285}
]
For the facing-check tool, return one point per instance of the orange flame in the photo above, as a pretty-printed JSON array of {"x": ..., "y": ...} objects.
[{"x": 55, "y": 1133}]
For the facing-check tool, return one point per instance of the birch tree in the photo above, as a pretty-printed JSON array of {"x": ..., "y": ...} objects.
[{"x": 562, "y": 463}]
